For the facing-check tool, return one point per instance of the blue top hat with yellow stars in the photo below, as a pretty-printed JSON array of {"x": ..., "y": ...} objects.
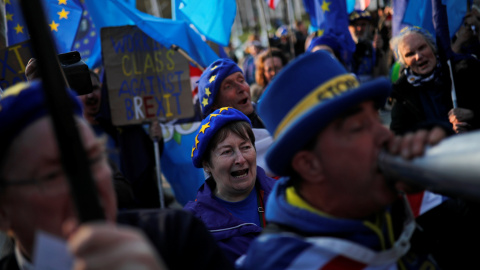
[
  {"x": 21, "y": 105},
  {"x": 210, "y": 126},
  {"x": 323, "y": 89},
  {"x": 211, "y": 79}
]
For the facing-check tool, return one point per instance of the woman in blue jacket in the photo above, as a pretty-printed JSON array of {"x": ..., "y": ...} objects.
[{"x": 231, "y": 201}]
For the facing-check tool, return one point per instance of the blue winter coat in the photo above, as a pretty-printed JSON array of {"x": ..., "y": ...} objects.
[{"x": 232, "y": 234}]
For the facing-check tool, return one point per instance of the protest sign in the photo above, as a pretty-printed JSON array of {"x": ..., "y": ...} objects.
[
  {"x": 13, "y": 60},
  {"x": 145, "y": 79}
]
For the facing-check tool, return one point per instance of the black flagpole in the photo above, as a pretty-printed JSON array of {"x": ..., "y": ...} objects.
[{"x": 74, "y": 159}]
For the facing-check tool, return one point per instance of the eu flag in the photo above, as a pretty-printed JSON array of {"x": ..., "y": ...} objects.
[
  {"x": 69, "y": 22},
  {"x": 331, "y": 17},
  {"x": 16, "y": 27},
  {"x": 212, "y": 18}
]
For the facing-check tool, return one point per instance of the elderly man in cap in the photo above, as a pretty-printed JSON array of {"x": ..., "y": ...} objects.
[
  {"x": 35, "y": 197},
  {"x": 336, "y": 210},
  {"x": 223, "y": 84},
  {"x": 369, "y": 60}
]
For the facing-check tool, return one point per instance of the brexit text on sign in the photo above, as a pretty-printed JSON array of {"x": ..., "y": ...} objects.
[
  {"x": 145, "y": 79},
  {"x": 13, "y": 60}
]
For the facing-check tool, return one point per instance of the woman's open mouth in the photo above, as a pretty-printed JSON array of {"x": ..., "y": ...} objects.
[{"x": 239, "y": 173}]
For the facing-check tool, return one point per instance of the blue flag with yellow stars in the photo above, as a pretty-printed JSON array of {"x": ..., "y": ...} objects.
[
  {"x": 16, "y": 27},
  {"x": 69, "y": 22},
  {"x": 331, "y": 17}
]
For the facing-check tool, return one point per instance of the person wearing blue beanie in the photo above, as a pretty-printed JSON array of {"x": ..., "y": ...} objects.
[{"x": 223, "y": 84}]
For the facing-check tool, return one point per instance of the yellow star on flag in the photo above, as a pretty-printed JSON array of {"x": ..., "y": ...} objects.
[
  {"x": 63, "y": 14},
  {"x": 54, "y": 26},
  {"x": 62, "y": 2},
  {"x": 193, "y": 149},
  {"x": 207, "y": 92},
  {"x": 214, "y": 67},
  {"x": 213, "y": 115},
  {"x": 326, "y": 6},
  {"x": 196, "y": 141},
  {"x": 7, "y": 2},
  {"x": 204, "y": 127},
  {"x": 223, "y": 109},
  {"x": 212, "y": 78},
  {"x": 205, "y": 102},
  {"x": 18, "y": 28},
  {"x": 9, "y": 17},
  {"x": 320, "y": 32}
]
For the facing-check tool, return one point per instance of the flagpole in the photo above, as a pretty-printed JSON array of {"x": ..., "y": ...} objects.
[
  {"x": 291, "y": 32},
  {"x": 158, "y": 171},
  {"x": 72, "y": 152},
  {"x": 263, "y": 24},
  {"x": 182, "y": 52}
]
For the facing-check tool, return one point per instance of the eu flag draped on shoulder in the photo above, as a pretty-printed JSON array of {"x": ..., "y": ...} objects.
[{"x": 331, "y": 17}]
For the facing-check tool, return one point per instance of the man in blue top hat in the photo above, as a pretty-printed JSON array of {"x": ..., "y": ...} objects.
[{"x": 335, "y": 209}]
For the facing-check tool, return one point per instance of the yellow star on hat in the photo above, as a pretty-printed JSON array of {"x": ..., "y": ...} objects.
[
  {"x": 212, "y": 115},
  {"x": 212, "y": 78},
  {"x": 205, "y": 102},
  {"x": 204, "y": 127}
]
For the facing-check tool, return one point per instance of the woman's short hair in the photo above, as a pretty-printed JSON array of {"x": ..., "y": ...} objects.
[
  {"x": 260, "y": 64},
  {"x": 240, "y": 128},
  {"x": 398, "y": 39}
]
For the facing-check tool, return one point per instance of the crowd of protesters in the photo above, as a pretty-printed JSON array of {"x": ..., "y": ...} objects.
[{"x": 289, "y": 141}]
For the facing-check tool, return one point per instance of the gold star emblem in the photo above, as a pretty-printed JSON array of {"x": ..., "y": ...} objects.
[
  {"x": 193, "y": 150},
  {"x": 205, "y": 102},
  {"x": 18, "y": 28},
  {"x": 224, "y": 109},
  {"x": 62, "y": 2},
  {"x": 326, "y": 6},
  {"x": 54, "y": 26},
  {"x": 207, "y": 92},
  {"x": 212, "y": 78},
  {"x": 213, "y": 115},
  {"x": 85, "y": 41},
  {"x": 9, "y": 16},
  {"x": 63, "y": 14},
  {"x": 196, "y": 141},
  {"x": 320, "y": 32},
  {"x": 204, "y": 127},
  {"x": 214, "y": 67}
]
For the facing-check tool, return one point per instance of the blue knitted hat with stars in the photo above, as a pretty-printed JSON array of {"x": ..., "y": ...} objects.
[
  {"x": 210, "y": 82},
  {"x": 210, "y": 126}
]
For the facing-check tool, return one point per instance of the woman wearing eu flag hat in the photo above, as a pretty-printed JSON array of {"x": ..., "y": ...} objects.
[{"x": 231, "y": 201}]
